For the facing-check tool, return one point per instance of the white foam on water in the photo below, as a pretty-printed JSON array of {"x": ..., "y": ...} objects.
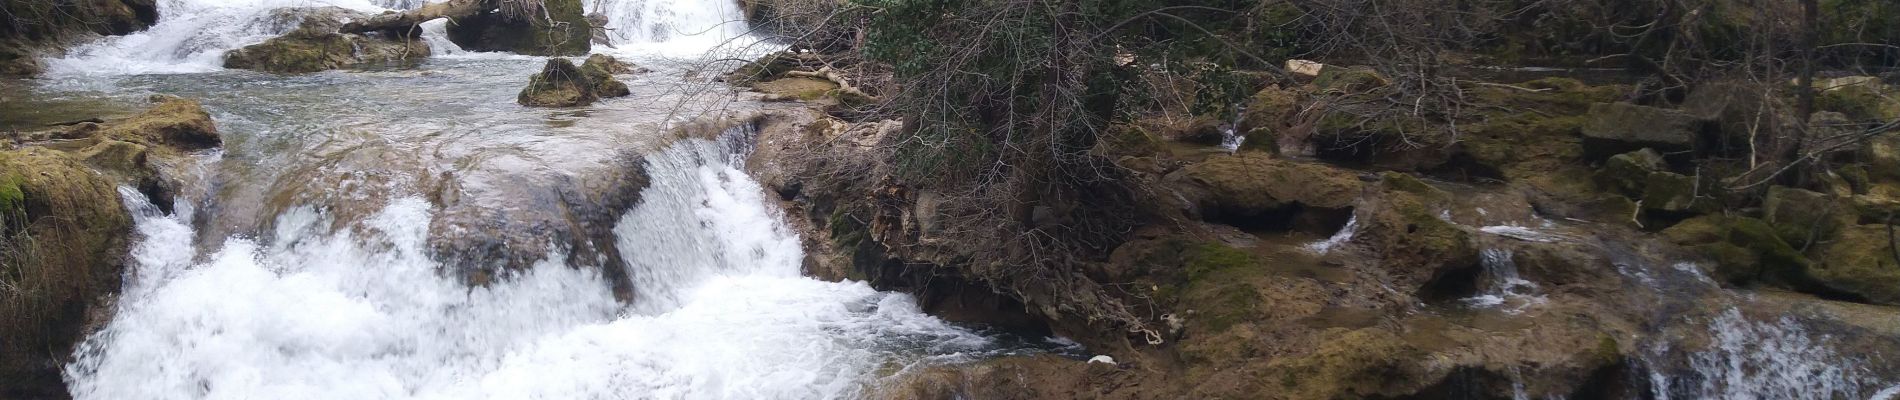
[
  {"x": 190, "y": 36},
  {"x": 676, "y": 28},
  {"x": 363, "y": 312},
  {"x": 1505, "y": 288},
  {"x": 1750, "y": 360}
]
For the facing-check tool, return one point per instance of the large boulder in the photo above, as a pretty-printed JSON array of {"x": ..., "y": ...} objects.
[
  {"x": 64, "y": 228},
  {"x": 1254, "y": 189},
  {"x": 62, "y": 238},
  {"x": 1614, "y": 128},
  {"x": 1416, "y": 247},
  {"x": 554, "y": 28},
  {"x": 599, "y": 69},
  {"x": 561, "y": 84},
  {"x": 1862, "y": 261},
  {"x": 1628, "y": 173},
  {"x": 315, "y": 45},
  {"x": 1736, "y": 109},
  {"x": 1801, "y": 217}
]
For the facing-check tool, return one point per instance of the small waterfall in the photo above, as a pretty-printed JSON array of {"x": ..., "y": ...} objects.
[
  {"x": 700, "y": 218},
  {"x": 672, "y": 27},
  {"x": 1503, "y": 286},
  {"x": 1339, "y": 238},
  {"x": 1749, "y": 360},
  {"x": 321, "y": 311}
]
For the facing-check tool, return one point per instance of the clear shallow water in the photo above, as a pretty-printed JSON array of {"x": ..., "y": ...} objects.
[{"x": 299, "y": 263}]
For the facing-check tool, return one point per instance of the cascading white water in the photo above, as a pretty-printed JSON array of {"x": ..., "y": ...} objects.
[
  {"x": 670, "y": 27},
  {"x": 193, "y": 35},
  {"x": 1756, "y": 360},
  {"x": 322, "y": 313},
  {"x": 190, "y": 36},
  {"x": 1504, "y": 288}
]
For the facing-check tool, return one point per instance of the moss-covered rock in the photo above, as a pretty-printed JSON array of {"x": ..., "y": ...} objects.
[
  {"x": 1747, "y": 251},
  {"x": 1251, "y": 186},
  {"x": 1628, "y": 173},
  {"x": 61, "y": 244},
  {"x": 1352, "y": 364},
  {"x": 1350, "y": 79},
  {"x": 317, "y": 46},
  {"x": 599, "y": 70},
  {"x": 1413, "y": 244},
  {"x": 1882, "y": 154},
  {"x": 1669, "y": 191},
  {"x": 173, "y": 123},
  {"x": 559, "y": 84},
  {"x": 1270, "y": 109},
  {"x": 1858, "y": 103},
  {"x": 1862, "y": 261},
  {"x": 1801, "y": 217},
  {"x": 558, "y": 28},
  {"x": 1614, "y": 128}
]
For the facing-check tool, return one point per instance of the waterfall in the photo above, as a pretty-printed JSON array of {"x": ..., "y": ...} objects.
[
  {"x": 1503, "y": 287},
  {"x": 193, "y": 35},
  {"x": 1750, "y": 360},
  {"x": 671, "y": 27},
  {"x": 323, "y": 312}
]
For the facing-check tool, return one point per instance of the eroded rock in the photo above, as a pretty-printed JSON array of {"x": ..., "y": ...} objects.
[
  {"x": 561, "y": 84},
  {"x": 316, "y": 45},
  {"x": 64, "y": 229},
  {"x": 1613, "y": 128}
]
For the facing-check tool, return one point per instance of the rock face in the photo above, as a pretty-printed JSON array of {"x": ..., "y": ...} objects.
[
  {"x": 64, "y": 230},
  {"x": 554, "y": 28},
  {"x": 561, "y": 84},
  {"x": 1253, "y": 189},
  {"x": 41, "y": 28},
  {"x": 1613, "y": 128},
  {"x": 315, "y": 45},
  {"x": 64, "y": 233}
]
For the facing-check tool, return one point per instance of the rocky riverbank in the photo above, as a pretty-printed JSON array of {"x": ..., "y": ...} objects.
[
  {"x": 1545, "y": 250},
  {"x": 64, "y": 229}
]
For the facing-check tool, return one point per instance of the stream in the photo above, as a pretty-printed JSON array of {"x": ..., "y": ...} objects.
[
  {"x": 299, "y": 263},
  {"x": 324, "y": 251}
]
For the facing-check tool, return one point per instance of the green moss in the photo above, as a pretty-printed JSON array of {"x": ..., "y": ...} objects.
[
  {"x": 12, "y": 200},
  {"x": 1365, "y": 363},
  {"x": 846, "y": 232},
  {"x": 1668, "y": 191},
  {"x": 1217, "y": 282},
  {"x": 1859, "y": 103},
  {"x": 1351, "y": 79},
  {"x": 1407, "y": 183},
  {"x": 1207, "y": 260},
  {"x": 1607, "y": 351}
]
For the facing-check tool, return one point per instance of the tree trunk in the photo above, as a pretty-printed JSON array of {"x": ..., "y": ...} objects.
[{"x": 406, "y": 20}]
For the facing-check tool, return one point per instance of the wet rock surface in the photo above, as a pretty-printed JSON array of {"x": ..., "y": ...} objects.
[
  {"x": 561, "y": 84},
  {"x": 44, "y": 28},
  {"x": 545, "y": 28},
  {"x": 1531, "y": 260},
  {"x": 316, "y": 45},
  {"x": 64, "y": 230}
]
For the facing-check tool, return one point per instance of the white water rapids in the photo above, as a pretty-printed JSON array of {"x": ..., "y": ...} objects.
[
  {"x": 322, "y": 309},
  {"x": 193, "y": 35},
  {"x": 364, "y": 314}
]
